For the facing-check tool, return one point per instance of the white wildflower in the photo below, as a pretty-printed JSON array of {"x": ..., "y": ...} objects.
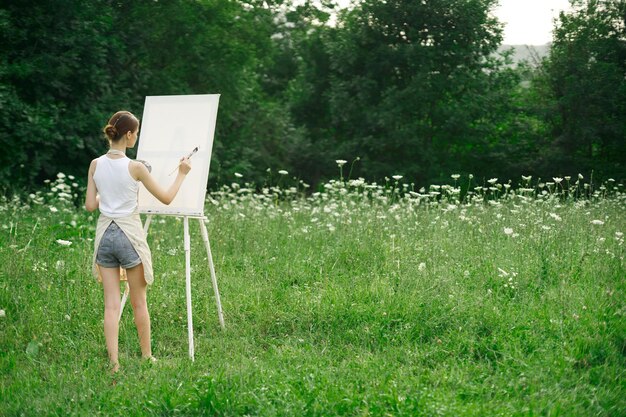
[
  {"x": 67, "y": 317},
  {"x": 557, "y": 180},
  {"x": 508, "y": 231},
  {"x": 238, "y": 175},
  {"x": 455, "y": 176},
  {"x": 53, "y": 209},
  {"x": 357, "y": 183},
  {"x": 341, "y": 162},
  {"x": 283, "y": 172},
  {"x": 580, "y": 176},
  {"x": 471, "y": 176},
  {"x": 527, "y": 178},
  {"x": 421, "y": 266},
  {"x": 3, "y": 313},
  {"x": 598, "y": 222},
  {"x": 60, "y": 175},
  {"x": 555, "y": 217},
  {"x": 397, "y": 177},
  {"x": 492, "y": 180},
  {"x": 63, "y": 242},
  {"x": 567, "y": 178}
]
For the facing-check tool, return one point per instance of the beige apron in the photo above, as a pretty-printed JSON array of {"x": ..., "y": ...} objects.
[{"x": 132, "y": 228}]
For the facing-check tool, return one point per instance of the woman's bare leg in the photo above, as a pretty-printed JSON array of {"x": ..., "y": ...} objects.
[
  {"x": 138, "y": 300},
  {"x": 111, "y": 285}
]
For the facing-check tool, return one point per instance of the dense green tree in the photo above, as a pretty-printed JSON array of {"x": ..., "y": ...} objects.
[
  {"x": 586, "y": 75},
  {"x": 519, "y": 132},
  {"x": 65, "y": 66},
  {"x": 299, "y": 76},
  {"x": 405, "y": 79},
  {"x": 53, "y": 82},
  {"x": 411, "y": 87},
  {"x": 215, "y": 46}
]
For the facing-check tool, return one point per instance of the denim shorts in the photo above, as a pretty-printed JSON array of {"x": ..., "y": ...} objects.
[{"x": 115, "y": 249}]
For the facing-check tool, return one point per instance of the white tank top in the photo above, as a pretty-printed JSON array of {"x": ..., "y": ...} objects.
[{"x": 117, "y": 188}]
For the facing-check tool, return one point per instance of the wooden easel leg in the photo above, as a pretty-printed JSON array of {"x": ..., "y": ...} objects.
[
  {"x": 205, "y": 238},
  {"x": 123, "y": 302},
  {"x": 146, "y": 225},
  {"x": 188, "y": 286}
]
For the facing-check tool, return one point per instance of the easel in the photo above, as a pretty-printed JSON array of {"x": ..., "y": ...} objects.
[
  {"x": 187, "y": 245},
  {"x": 173, "y": 126}
]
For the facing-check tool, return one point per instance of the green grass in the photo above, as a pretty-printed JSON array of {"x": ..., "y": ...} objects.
[{"x": 361, "y": 300}]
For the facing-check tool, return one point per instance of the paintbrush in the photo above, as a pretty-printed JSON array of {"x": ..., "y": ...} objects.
[{"x": 188, "y": 156}]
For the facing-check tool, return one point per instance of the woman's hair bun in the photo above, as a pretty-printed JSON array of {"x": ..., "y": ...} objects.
[
  {"x": 120, "y": 124},
  {"x": 111, "y": 132}
]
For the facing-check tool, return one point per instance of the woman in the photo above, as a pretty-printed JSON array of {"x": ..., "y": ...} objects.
[{"x": 112, "y": 187}]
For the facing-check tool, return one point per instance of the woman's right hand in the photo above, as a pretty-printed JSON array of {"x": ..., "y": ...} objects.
[{"x": 185, "y": 166}]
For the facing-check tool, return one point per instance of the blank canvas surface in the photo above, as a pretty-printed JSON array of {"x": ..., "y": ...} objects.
[{"x": 171, "y": 127}]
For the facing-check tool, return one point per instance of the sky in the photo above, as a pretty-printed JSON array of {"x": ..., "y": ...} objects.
[{"x": 527, "y": 22}]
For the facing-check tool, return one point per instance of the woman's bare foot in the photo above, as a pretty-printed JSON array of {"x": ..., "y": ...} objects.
[{"x": 115, "y": 367}]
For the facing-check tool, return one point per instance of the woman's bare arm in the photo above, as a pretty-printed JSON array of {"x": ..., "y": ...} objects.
[
  {"x": 92, "y": 200},
  {"x": 165, "y": 196}
]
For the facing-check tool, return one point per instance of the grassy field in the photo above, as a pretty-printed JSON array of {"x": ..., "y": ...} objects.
[{"x": 362, "y": 299}]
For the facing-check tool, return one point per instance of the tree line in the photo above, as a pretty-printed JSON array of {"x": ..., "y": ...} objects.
[{"x": 413, "y": 88}]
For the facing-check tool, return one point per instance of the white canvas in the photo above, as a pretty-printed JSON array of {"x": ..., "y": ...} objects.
[{"x": 171, "y": 127}]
